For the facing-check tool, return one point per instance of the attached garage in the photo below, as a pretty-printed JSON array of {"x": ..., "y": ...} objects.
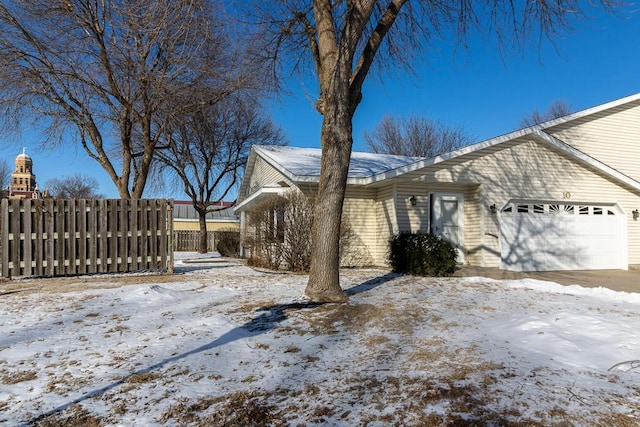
[{"x": 548, "y": 236}]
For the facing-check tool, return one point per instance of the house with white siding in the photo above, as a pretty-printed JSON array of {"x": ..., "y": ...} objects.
[{"x": 561, "y": 195}]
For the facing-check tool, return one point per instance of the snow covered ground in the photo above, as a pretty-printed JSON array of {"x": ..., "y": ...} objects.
[{"x": 220, "y": 343}]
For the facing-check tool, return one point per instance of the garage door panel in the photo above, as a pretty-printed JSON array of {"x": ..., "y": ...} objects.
[{"x": 548, "y": 240}]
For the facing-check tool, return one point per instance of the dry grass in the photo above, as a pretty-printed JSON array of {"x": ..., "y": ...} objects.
[
  {"x": 234, "y": 409},
  {"x": 19, "y": 376},
  {"x": 144, "y": 377},
  {"x": 76, "y": 416},
  {"x": 457, "y": 382}
]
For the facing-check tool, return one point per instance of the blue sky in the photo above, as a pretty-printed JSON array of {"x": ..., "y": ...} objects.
[{"x": 478, "y": 88}]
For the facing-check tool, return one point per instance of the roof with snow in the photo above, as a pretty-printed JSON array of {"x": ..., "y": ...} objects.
[{"x": 305, "y": 162}]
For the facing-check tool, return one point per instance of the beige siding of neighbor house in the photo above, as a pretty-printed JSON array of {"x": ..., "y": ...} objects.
[
  {"x": 526, "y": 170},
  {"x": 611, "y": 136},
  {"x": 212, "y": 225}
]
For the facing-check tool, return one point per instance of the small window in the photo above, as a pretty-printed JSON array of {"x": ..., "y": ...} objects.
[
  {"x": 597, "y": 210},
  {"x": 583, "y": 210},
  {"x": 539, "y": 209},
  {"x": 610, "y": 212},
  {"x": 508, "y": 209},
  {"x": 523, "y": 208},
  {"x": 554, "y": 209},
  {"x": 569, "y": 209}
]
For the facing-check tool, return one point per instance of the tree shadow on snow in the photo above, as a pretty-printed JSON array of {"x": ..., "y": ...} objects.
[
  {"x": 268, "y": 319},
  {"x": 371, "y": 284}
]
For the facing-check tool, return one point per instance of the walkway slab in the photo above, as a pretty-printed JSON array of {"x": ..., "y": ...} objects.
[{"x": 618, "y": 280}]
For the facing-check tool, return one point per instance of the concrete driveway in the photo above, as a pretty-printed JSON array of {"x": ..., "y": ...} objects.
[{"x": 618, "y": 280}]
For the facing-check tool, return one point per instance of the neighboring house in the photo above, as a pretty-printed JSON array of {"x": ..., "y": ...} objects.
[
  {"x": 185, "y": 217},
  {"x": 561, "y": 195}
]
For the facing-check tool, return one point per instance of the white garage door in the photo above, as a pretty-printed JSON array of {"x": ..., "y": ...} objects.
[{"x": 543, "y": 236}]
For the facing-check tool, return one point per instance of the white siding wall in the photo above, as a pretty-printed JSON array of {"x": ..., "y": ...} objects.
[
  {"x": 395, "y": 213},
  {"x": 520, "y": 169},
  {"x": 528, "y": 170},
  {"x": 612, "y": 137}
]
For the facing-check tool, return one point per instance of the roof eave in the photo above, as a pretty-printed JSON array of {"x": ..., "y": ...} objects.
[
  {"x": 588, "y": 111},
  {"x": 261, "y": 194}
]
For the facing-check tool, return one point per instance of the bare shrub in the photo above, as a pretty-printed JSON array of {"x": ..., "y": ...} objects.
[
  {"x": 229, "y": 242},
  {"x": 279, "y": 233},
  {"x": 264, "y": 237}
]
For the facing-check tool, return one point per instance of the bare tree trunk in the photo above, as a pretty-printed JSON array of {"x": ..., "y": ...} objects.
[
  {"x": 337, "y": 140},
  {"x": 202, "y": 236}
]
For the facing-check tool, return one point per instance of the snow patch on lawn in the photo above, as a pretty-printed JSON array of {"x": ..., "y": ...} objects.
[{"x": 225, "y": 341}]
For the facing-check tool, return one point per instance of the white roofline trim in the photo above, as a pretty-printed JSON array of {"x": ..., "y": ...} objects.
[
  {"x": 450, "y": 155},
  {"x": 274, "y": 189},
  {"x": 248, "y": 170},
  {"x": 588, "y": 111},
  {"x": 269, "y": 159},
  {"x": 403, "y": 169},
  {"x": 536, "y": 130}
]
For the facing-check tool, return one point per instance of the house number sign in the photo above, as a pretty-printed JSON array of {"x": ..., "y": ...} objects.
[{"x": 566, "y": 195}]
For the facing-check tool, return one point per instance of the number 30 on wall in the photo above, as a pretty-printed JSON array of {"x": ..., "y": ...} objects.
[{"x": 566, "y": 195}]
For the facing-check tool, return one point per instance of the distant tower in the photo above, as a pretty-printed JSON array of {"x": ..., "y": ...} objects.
[{"x": 23, "y": 181}]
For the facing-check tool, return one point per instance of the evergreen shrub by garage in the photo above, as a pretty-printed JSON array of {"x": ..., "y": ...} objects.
[{"x": 422, "y": 254}]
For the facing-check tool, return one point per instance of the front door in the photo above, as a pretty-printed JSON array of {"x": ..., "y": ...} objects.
[{"x": 448, "y": 220}]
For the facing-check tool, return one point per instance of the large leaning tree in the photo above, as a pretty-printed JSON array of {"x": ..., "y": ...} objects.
[
  {"x": 344, "y": 39},
  {"x": 208, "y": 145},
  {"x": 98, "y": 72}
]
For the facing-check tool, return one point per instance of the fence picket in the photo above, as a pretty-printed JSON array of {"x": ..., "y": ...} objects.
[
  {"x": 132, "y": 233},
  {"x": 81, "y": 238}
]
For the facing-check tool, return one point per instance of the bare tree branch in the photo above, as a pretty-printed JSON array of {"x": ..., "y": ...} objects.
[
  {"x": 100, "y": 73},
  {"x": 415, "y": 136},
  {"x": 208, "y": 149},
  {"x": 557, "y": 109}
]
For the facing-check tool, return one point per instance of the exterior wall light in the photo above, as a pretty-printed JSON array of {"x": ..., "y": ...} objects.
[
  {"x": 413, "y": 200},
  {"x": 493, "y": 209},
  {"x": 635, "y": 214}
]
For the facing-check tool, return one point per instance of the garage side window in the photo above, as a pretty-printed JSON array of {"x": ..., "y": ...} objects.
[{"x": 556, "y": 209}]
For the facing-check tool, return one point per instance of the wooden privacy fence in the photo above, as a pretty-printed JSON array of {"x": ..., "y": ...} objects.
[
  {"x": 56, "y": 237},
  {"x": 189, "y": 240}
]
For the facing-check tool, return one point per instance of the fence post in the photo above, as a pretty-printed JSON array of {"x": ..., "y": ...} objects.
[{"x": 4, "y": 238}]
